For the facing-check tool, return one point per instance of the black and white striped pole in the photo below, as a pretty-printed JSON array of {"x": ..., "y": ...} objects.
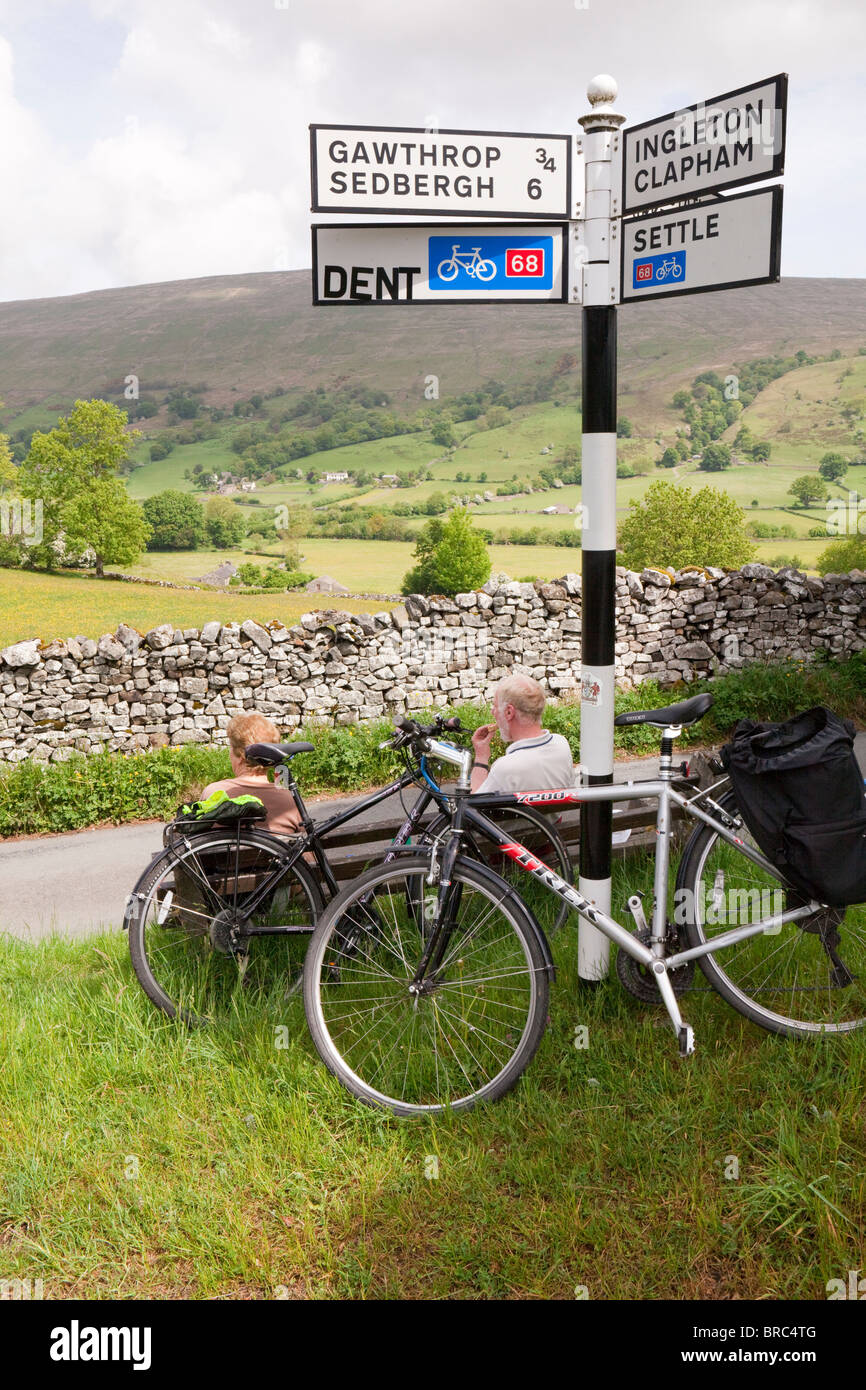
[{"x": 596, "y": 250}]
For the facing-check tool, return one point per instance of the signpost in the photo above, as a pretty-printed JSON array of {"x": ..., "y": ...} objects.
[
  {"x": 717, "y": 245},
  {"x": 444, "y": 173},
  {"x": 731, "y": 140},
  {"x": 416, "y": 264},
  {"x": 657, "y": 189}
]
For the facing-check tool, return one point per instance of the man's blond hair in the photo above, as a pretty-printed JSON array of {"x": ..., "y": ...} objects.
[
  {"x": 245, "y": 729},
  {"x": 524, "y": 693}
]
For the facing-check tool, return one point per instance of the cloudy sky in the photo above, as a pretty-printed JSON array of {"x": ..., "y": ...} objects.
[{"x": 145, "y": 140}]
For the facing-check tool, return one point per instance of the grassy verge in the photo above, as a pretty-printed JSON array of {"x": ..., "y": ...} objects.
[
  {"x": 83, "y": 791},
  {"x": 137, "y": 1160}
]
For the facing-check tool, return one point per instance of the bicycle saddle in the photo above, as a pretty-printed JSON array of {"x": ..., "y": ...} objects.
[
  {"x": 272, "y": 753},
  {"x": 686, "y": 712}
]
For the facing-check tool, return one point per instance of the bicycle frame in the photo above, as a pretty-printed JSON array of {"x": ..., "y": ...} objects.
[
  {"x": 316, "y": 832},
  {"x": 652, "y": 956}
]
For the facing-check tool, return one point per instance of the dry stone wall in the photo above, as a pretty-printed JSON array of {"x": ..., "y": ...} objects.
[{"x": 131, "y": 691}]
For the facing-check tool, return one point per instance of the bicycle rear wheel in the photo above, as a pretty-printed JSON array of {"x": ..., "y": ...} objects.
[
  {"x": 806, "y": 977},
  {"x": 537, "y": 833},
  {"x": 478, "y": 1018},
  {"x": 197, "y": 933}
]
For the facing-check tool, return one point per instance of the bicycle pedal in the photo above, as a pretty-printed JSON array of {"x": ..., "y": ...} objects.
[{"x": 686, "y": 1039}]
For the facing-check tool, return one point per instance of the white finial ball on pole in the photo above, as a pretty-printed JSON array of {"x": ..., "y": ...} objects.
[
  {"x": 601, "y": 88},
  {"x": 601, "y": 91}
]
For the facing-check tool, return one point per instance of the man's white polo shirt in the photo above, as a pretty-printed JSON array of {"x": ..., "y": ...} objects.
[{"x": 532, "y": 764}]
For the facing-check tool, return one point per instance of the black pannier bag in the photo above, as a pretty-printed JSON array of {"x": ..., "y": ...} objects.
[{"x": 800, "y": 790}]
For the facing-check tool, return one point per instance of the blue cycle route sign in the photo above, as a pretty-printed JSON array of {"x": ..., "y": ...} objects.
[
  {"x": 659, "y": 270},
  {"x": 474, "y": 261}
]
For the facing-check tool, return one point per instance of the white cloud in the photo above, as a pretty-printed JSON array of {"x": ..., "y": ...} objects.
[{"x": 194, "y": 158}]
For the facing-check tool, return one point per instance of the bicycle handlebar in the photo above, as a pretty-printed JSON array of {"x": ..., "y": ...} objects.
[{"x": 409, "y": 731}]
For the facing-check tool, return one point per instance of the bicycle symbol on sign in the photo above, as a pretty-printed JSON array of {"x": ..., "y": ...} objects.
[
  {"x": 470, "y": 260},
  {"x": 669, "y": 267}
]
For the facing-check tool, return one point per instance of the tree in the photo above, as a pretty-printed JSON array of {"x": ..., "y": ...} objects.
[
  {"x": 843, "y": 556},
  {"x": 106, "y": 520},
  {"x": 161, "y": 447},
  {"x": 66, "y": 469},
  {"x": 809, "y": 488},
  {"x": 496, "y": 417},
  {"x": 225, "y": 523},
  {"x": 761, "y": 450},
  {"x": 176, "y": 520},
  {"x": 452, "y": 557},
  {"x": 833, "y": 467},
  {"x": 673, "y": 525},
  {"x": 623, "y": 427},
  {"x": 715, "y": 457},
  {"x": 669, "y": 459},
  {"x": 436, "y": 504},
  {"x": 8, "y": 467},
  {"x": 182, "y": 407},
  {"x": 443, "y": 434}
]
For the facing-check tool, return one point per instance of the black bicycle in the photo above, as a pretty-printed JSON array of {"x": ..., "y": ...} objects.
[{"x": 234, "y": 905}]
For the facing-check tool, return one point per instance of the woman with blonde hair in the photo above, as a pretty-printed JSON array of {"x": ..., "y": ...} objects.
[{"x": 283, "y": 817}]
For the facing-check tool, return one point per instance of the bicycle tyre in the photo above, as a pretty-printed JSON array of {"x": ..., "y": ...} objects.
[
  {"x": 790, "y": 969},
  {"x": 532, "y": 829},
  {"x": 485, "y": 270},
  {"x": 369, "y": 1047},
  {"x": 171, "y": 943},
  {"x": 447, "y": 269}
]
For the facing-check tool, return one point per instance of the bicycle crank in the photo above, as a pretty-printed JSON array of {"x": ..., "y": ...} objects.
[{"x": 640, "y": 981}]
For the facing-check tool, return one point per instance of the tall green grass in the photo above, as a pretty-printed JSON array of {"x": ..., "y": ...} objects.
[{"x": 140, "y": 1160}]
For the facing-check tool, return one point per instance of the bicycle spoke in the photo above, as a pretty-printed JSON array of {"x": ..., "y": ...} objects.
[{"x": 470, "y": 1018}]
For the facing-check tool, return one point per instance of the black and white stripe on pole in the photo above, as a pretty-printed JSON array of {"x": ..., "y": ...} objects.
[{"x": 598, "y": 495}]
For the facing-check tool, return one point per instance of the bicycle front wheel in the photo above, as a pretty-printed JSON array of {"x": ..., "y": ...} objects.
[
  {"x": 201, "y": 926},
  {"x": 804, "y": 977},
  {"x": 537, "y": 833},
  {"x": 476, "y": 1020}
]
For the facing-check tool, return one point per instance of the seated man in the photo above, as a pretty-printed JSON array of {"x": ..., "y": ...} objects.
[
  {"x": 283, "y": 817},
  {"x": 535, "y": 760}
]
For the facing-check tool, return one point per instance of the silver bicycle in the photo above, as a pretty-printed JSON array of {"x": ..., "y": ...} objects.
[{"x": 427, "y": 980}]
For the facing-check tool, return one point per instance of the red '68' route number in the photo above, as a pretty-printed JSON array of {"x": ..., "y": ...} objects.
[{"x": 519, "y": 262}]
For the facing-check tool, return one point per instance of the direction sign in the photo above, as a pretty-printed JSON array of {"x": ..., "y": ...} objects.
[
  {"x": 718, "y": 244},
  {"x": 443, "y": 173},
  {"x": 728, "y": 141},
  {"x": 408, "y": 263}
]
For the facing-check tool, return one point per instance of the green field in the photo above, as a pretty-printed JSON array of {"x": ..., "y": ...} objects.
[{"x": 51, "y": 605}]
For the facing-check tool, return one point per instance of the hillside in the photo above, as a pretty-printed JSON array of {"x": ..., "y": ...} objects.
[
  {"x": 236, "y": 334},
  {"x": 226, "y": 340}
]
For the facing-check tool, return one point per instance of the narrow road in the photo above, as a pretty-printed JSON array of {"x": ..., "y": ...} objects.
[{"x": 76, "y": 884}]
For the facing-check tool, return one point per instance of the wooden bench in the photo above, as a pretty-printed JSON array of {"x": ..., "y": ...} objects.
[{"x": 351, "y": 848}]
